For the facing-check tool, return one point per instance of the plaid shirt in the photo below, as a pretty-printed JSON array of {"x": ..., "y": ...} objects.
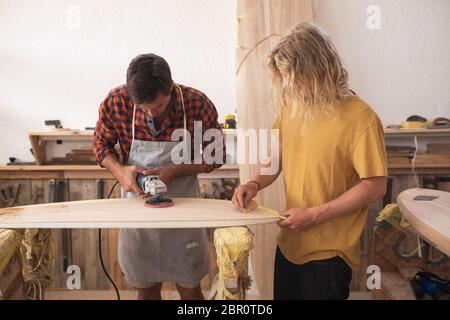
[{"x": 116, "y": 113}]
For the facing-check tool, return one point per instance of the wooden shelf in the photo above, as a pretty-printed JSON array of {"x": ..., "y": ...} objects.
[
  {"x": 80, "y": 168},
  {"x": 52, "y": 168},
  {"x": 419, "y": 165},
  {"x": 226, "y": 171},
  {"x": 90, "y": 172},
  {"x": 54, "y": 172},
  {"x": 417, "y": 131},
  {"x": 419, "y": 168},
  {"x": 64, "y": 134},
  {"x": 39, "y": 140},
  {"x": 88, "y": 134}
]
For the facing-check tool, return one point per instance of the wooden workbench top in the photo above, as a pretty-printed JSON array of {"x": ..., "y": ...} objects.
[
  {"x": 89, "y": 172},
  {"x": 416, "y": 131},
  {"x": 54, "y": 172},
  {"x": 78, "y": 168},
  {"x": 52, "y": 168}
]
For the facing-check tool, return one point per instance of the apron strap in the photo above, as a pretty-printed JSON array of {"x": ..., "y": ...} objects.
[
  {"x": 184, "y": 111},
  {"x": 132, "y": 124}
]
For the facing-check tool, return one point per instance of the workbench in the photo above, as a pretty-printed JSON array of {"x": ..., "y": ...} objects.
[
  {"x": 47, "y": 183},
  {"x": 39, "y": 184}
]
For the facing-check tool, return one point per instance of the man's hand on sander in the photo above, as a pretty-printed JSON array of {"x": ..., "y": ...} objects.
[
  {"x": 165, "y": 173},
  {"x": 126, "y": 175},
  {"x": 127, "y": 179}
]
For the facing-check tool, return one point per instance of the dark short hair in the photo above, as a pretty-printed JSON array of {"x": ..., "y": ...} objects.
[{"x": 148, "y": 75}]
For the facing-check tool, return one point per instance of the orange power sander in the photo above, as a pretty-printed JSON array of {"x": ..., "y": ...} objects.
[{"x": 153, "y": 186}]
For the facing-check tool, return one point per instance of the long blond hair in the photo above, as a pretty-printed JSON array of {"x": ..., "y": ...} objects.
[{"x": 307, "y": 73}]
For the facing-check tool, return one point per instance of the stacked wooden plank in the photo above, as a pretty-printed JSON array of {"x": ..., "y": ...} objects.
[
  {"x": 400, "y": 154},
  {"x": 40, "y": 140},
  {"x": 81, "y": 156},
  {"x": 11, "y": 280},
  {"x": 436, "y": 154},
  {"x": 438, "y": 148},
  {"x": 433, "y": 158}
]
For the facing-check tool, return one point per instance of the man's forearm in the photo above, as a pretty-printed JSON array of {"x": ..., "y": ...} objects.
[
  {"x": 360, "y": 196},
  {"x": 112, "y": 164},
  {"x": 265, "y": 180}
]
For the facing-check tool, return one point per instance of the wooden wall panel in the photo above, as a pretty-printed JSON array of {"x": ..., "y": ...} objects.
[
  {"x": 85, "y": 253},
  {"x": 24, "y": 193},
  {"x": 37, "y": 192},
  {"x": 111, "y": 246},
  {"x": 57, "y": 272}
]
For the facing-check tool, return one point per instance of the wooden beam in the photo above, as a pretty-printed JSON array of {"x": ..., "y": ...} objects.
[{"x": 89, "y": 172}]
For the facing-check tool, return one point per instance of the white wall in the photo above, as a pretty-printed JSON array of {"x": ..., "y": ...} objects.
[
  {"x": 56, "y": 64},
  {"x": 401, "y": 69},
  {"x": 52, "y": 69}
]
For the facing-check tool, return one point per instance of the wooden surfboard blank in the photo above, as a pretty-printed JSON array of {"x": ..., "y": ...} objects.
[
  {"x": 431, "y": 219},
  {"x": 131, "y": 213}
]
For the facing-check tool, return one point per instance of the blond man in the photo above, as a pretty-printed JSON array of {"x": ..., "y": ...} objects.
[{"x": 333, "y": 161}]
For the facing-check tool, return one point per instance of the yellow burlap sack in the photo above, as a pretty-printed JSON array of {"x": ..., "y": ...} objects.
[
  {"x": 9, "y": 241},
  {"x": 232, "y": 246},
  {"x": 38, "y": 254}
]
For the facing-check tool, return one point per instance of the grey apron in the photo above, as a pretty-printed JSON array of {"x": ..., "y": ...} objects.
[{"x": 162, "y": 255}]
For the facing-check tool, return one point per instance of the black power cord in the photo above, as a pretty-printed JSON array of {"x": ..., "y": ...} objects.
[{"x": 100, "y": 250}]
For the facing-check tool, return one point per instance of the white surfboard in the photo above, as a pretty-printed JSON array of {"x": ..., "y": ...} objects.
[
  {"x": 431, "y": 219},
  {"x": 131, "y": 213}
]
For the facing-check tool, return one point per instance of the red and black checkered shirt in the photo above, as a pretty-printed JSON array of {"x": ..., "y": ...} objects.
[{"x": 116, "y": 114}]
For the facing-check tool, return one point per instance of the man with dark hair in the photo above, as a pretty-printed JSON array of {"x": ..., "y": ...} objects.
[{"x": 142, "y": 115}]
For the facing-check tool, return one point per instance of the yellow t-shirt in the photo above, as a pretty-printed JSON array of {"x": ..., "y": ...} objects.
[{"x": 330, "y": 156}]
